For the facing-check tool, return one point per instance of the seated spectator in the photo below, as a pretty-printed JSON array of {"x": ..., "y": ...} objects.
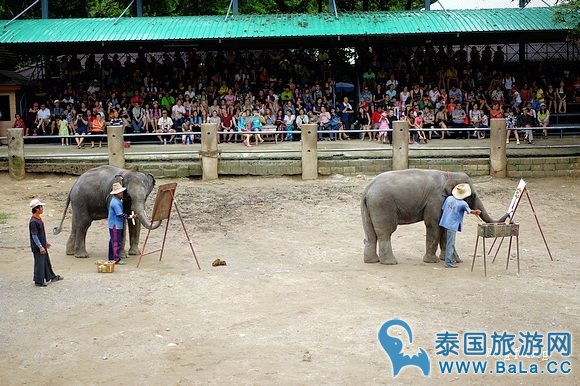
[
  {"x": 42, "y": 120},
  {"x": 81, "y": 123},
  {"x": 458, "y": 119},
  {"x": 544, "y": 119},
  {"x": 364, "y": 122},
  {"x": 165, "y": 125},
  {"x": 323, "y": 124},
  {"x": 98, "y": 128},
  {"x": 19, "y": 123},
  {"x": 289, "y": 120},
  {"x": 511, "y": 124},
  {"x": 475, "y": 119},
  {"x": 561, "y": 98},
  {"x": 257, "y": 121}
]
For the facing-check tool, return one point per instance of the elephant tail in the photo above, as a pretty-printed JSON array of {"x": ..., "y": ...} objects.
[
  {"x": 57, "y": 230},
  {"x": 369, "y": 229}
]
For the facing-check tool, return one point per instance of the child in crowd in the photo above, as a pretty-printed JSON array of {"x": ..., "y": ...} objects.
[
  {"x": 383, "y": 127},
  {"x": 510, "y": 124},
  {"x": 63, "y": 130}
]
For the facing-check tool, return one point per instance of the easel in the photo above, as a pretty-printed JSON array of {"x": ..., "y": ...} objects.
[
  {"x": 512, "y": 211},
  {"x": 164, "y": 201}
]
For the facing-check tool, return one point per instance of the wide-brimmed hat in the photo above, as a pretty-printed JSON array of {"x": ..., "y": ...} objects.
[
  {"x": 56, "y": 101},
  {"x": 36, "y": 202},
  {"x": 117, "y": 188},
  {"x": 461, "y": 191}
]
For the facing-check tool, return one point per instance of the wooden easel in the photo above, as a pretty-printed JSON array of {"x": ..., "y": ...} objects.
[
  {"x": 525, "y": 190},
  {"x": 164, "y": 201}
]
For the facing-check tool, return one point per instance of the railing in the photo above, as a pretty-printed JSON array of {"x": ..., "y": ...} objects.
[{"x": 197, "y": 151}]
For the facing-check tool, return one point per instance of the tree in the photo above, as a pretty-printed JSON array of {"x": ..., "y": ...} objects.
[{"x": 568, "y": 13}]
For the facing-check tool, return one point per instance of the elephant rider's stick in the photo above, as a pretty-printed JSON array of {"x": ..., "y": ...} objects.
[{"x": 133, "y": 217}]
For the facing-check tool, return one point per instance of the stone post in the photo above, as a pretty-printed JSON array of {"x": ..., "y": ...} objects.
[
  {"x": 116, "y": 146},
  {"x": 16, "y": 153},
  {"x": 309, "y": 151},
  {"x": 400, "y": 145},
  {"x": 209, "y": 151},
  {"x": 497, "y": 148}
]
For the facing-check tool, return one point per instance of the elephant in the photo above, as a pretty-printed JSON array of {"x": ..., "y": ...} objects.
[
  {"x": 90, "y": 201},
  {"x": 406, "y": 197}
]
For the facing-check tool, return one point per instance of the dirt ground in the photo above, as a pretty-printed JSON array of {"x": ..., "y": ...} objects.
[{"x": 295, "y": 303}]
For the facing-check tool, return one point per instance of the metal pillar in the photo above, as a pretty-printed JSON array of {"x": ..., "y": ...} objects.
[
  {"x": 44, "y": 8},
  {"x": 139, "y": 8}
]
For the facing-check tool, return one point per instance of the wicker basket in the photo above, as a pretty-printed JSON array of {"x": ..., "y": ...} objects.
[{"x": 104, "y": 266}]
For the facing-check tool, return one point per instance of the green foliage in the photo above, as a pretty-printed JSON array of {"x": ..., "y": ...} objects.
[
  {"x": 113, "y": 8},
  {"x": 568, "y": 13},
  {"x": 104, "y": 8},
  {"x": 3, "y": 217}
]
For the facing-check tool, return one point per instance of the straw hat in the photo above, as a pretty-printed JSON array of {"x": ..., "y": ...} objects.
[
  {"x": 36, "y": 202},
  {"x": 461, "y": 191},
  {"x": 117, "y": 188}
]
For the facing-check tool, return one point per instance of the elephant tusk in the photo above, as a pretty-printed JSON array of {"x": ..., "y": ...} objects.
[{"x": 133, "y": 217}]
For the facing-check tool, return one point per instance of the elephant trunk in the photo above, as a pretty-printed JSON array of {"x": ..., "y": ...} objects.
[
  {"x": 484, "y": 215},
  {"x": 145, "y": 221}
]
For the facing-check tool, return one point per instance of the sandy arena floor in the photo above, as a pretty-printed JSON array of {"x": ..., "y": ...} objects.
[{"x": 295, "y": 303}]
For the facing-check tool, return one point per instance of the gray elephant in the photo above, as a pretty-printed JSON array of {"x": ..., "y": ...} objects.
[
  {"x": 406, "y": 197},
  {"x": 90, "y": 200}
]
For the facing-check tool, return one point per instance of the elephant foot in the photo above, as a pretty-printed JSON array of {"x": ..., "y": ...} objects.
[
  {"x": 82, "y": 256},
  {"x": 458, "y": 259},
  {"x": 123, "y": 254},
  {"x": 133, "y": 252},
  {"x": 391, "y": 261},
  {"x": 430, "y": 259},
  {"x": 70, "y": 253}
]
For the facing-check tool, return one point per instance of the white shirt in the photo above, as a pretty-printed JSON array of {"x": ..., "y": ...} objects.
[{"x": 165, "y": 123}]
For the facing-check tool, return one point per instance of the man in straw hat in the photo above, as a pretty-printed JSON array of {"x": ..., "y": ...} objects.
[
  {"x": 454, "y": 208},
  {"x": 43, "y": 272},
  {"x": 116, "y": 223}
]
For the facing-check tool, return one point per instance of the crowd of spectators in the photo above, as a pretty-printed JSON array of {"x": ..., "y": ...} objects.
[{"x": 247, "y": 92}]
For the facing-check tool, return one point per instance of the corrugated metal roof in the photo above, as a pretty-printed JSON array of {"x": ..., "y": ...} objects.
[{"x": 278, "y": 26}]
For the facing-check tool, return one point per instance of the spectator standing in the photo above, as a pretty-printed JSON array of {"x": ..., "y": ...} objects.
[{"x": 511, "y": 123}]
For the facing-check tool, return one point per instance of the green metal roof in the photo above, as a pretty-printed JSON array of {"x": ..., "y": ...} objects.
[{"x": 278, "y": 26}]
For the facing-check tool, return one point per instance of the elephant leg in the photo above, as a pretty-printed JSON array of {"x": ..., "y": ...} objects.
[
  {"x": 432, "y": 239},
  {"x": 386, "y": 250},
  {"x": 70, "y": 243},
  {"x": 82, "y": 226},
  {"x": 134, "y": 231}
]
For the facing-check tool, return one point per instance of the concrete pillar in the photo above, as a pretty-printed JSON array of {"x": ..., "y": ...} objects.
[
  {"x": 400, "y": 145},
  {"x": 209, "y": 151},
  {"x": 116, "y": 145},
  {"x": 497, "y": 148},
  {"x": 16, "y": 153},
  {"x": 309, "y": 151}
]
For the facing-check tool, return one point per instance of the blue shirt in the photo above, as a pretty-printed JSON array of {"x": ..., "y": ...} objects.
[
  {"x": 453, "y": 211},
  {"x": 116, "y": 215}
]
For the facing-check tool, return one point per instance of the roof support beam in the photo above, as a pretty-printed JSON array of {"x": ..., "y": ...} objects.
[
  {"x": 44, "y": 8},
  {"x": 21, "y": 13},
  {"x": 139, "y": 8},
  {"x": 332, "y": 8}
]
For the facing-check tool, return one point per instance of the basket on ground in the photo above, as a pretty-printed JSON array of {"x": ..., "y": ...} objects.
[{"x": 104, "y": 266}]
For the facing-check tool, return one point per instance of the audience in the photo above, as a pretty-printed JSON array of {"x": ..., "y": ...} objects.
[{"x": 241, "y": 91}]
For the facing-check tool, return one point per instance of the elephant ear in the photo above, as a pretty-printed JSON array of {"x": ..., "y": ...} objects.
[{"x": 448, "y": 187}]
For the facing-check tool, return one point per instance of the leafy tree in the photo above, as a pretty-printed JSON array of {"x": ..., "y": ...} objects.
[{"x": 568, "y": 13}]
